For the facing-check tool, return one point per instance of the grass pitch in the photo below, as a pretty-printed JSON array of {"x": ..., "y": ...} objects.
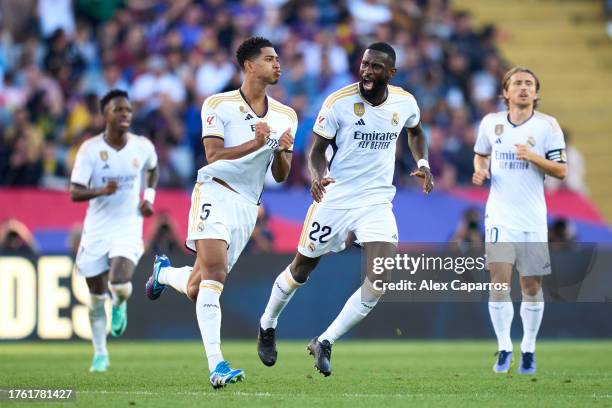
[{"x": 365, "y": 373}]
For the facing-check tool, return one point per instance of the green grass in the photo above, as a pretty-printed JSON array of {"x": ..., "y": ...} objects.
[{"x": 365, "y": 373}]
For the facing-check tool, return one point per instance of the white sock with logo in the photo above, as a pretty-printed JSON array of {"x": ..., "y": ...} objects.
[
  {"x": 532, "y": 310},
  {"x": 97, "y": 320},
  {"x": 283, "y": 289},
  {"x": 501, "y": 311},
  {"x": 355, "y": 309},
  {"x": 208, "y": 312}
]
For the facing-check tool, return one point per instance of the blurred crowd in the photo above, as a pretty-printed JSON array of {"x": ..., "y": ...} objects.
[{"x": 58, "y": 57}]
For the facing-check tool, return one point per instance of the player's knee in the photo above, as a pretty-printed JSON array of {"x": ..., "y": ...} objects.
[
  {"x": 374, "y": 291},
  {"x": 301, "y": 267},
  {"x": 533, "y": 297},
  {"x": 500, "y": 295},
  {"x": 532, "y": 290}
]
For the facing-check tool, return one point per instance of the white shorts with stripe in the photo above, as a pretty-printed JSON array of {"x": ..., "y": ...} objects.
[
  {"x": 94, "y": 255},
  {"x": 326, "y": 229},
  {"x": 526, "y": 250},
  {"x": 220, "y": 213}
]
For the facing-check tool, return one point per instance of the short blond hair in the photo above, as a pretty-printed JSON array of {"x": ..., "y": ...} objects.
[{"x": 506, "y": 83}]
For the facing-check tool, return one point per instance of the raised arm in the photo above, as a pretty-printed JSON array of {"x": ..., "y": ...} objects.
[
  {"x": 281, "y": 164},
  {"x": 215, "y": 148}
]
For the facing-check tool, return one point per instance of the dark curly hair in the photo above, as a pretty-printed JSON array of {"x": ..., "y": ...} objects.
[
  {"x": 251, "y": 48},
  {"x": 110, "y": 95}
]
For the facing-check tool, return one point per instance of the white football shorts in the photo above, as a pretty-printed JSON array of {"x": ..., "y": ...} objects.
[
  {"x": 94, "y": 255},
  {"x": 526, "y": 250},
  {"x": 220, "y": 213},
  {"x": 326, "y": 229}
]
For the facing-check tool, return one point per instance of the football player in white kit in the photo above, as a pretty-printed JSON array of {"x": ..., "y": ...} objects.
[
  {"x": 352, "y": 193},
  {"x": 244, "y": 132},
  {"x": 108, "y": 173},
  {"x": 520, "y": 146}
]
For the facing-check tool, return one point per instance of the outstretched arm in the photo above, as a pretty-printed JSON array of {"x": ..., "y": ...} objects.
[
  {"x": 317, "y": 166},
  {"x": 418, "y": 147}
]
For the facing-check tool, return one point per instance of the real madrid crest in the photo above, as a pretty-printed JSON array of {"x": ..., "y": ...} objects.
[
  {"x": 395, "y": 119},
  {"x": 359, "y": 108},
  {"x": 563, "y": 156},
  {"x": 531, "y": 141},
  {"x": 243, "y": 109},
  {"x": 103, "y": 155},
  {"x": 311, "y": 246},
  {"x": 135, "y": 163},
  {"x": 499, "y": 129}
]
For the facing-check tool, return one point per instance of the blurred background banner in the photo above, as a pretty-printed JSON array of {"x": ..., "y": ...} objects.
[{"x": 42, "y": 299}]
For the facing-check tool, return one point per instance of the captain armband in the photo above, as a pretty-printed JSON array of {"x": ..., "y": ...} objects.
[{"x": 557, "y": 155}]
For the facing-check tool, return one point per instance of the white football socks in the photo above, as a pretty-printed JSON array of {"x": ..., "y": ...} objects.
[
  {"x": 208, "y": 311},
  {"x": 97, "y": 320},
  {"x": 283, "y": 289},
  {"x": 501, "y": 311},
  {"x": 355, "y": 309},
  {"x": 120, "y": 292},
  {"x": 177, "y": 278},
  {"x": 532, "y": 310}
]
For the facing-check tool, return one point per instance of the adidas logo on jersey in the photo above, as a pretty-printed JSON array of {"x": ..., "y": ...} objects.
[
  {"x": 248, "y": 117},
  {"x": 498, "y": 141},
  {"x": 106, "y": 167},
  {"x": 360, "y": 122}
]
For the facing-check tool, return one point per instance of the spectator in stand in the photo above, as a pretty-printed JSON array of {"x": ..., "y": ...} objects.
[{"x": 16, "y": 238}]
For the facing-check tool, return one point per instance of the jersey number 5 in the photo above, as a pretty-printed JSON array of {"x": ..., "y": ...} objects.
[
  {"x": 205, "y": 212},
  {"x": 325, "y": 231}
]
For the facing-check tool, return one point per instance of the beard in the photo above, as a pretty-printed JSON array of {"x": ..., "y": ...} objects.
[{"x": 377, "y": 86}]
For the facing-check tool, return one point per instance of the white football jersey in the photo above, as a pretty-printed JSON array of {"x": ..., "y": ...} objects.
[
  {"x": 516, "y": 199},
  {"x": 96, "y": 164},
  {"x": 363, "y": 139},
  {"x": 229, "y": 117}
]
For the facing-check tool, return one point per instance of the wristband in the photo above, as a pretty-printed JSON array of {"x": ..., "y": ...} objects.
[
  {"x": 149, "y": 195},
  {"x": 422, "y": 163}
]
